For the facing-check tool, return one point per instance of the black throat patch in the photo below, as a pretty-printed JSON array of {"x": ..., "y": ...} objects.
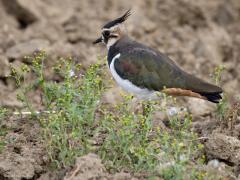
[{"x": 113, "y": 51}]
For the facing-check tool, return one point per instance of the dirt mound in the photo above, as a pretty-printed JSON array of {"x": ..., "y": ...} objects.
[
  {"x": 91, "y": 167},
  {"x": 24, "y": 155},
  {"x": 224, "y": 147},
  {"x": 87, "y": 167}
]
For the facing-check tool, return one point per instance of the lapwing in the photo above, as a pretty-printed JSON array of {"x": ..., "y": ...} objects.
[{"x": 145, "y": 72}]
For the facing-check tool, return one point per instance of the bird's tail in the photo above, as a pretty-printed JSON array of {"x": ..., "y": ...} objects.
[
  {"x": 206, "y": 90},
  {"x": 214, "y": 97}
]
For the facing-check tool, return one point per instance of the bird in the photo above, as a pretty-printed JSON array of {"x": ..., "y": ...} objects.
[{"x": 144, "y": 71}]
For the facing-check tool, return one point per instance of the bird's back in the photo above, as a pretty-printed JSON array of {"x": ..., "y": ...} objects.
[{"x": 148, "y": 68}]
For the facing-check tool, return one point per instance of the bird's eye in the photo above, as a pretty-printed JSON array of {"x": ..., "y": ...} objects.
[{"x": 106, "y": 33}]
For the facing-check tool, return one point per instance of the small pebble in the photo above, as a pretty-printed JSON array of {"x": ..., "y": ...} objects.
[{"x": 214, "y": 163}]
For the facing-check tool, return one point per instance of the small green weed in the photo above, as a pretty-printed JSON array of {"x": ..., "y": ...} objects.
[
  {"x": 3, "y": 131},
  {"x": 3, "y": 113},
  {"x": 68, "y": 131},
  {"x": 19, "y": 75},
  {"x": 222, "y": 106},
  {"x": 133, "y": 143},
  {"x": 2, "y": 145},
  {"x": 130, "y": 142},
  {"x": 71, "y": 105},
  {"x": 218, "y": 73}
]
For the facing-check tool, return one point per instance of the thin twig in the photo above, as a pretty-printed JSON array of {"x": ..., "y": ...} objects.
[
  {"x": 200, "y": 138},
  {"x": 35, "y": 112}
]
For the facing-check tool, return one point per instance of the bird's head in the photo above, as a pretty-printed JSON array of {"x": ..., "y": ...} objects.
[{"x": 113, "y": 31}]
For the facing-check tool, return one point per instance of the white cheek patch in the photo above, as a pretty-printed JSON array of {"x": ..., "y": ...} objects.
[{"x": 111, "y": 41}]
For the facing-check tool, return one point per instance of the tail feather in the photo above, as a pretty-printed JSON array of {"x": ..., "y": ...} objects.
[
  {"x": 214, "y": 97},
  {"x": 208, "y": 91}
]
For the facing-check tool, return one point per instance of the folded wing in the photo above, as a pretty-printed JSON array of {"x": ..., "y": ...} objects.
[{"x": 147, "y": 68}]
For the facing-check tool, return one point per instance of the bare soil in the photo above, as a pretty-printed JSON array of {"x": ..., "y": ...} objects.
[{"x": 198, "y": 35}]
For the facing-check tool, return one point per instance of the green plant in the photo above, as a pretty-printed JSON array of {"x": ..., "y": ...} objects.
[
  {"x": 129, "y": 139},
  {"x": 134, "y": 143},
  {"x": 71, "y": 105},
  {"x": 3, "y": 131},
  {"x": 2, "y": 145},
  {"x": 180, "y": 147},
  {"x": 69, "y": 129},
  {"x": 218, "y": 73},
  {"x": 222, "y": 106},
  {"x": 3, "y": 113},
  {"x": 19, "y": 75}
]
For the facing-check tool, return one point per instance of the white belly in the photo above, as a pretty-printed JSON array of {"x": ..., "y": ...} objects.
[{"x": 128, "y": 86}]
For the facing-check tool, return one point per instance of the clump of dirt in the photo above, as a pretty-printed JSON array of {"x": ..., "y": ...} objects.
[
  {"x": 226, "y": 148},
  {"x": 24, "y": 155},
  {"x": 87, "y": 167},
  {"x": 91, "y": 167}
]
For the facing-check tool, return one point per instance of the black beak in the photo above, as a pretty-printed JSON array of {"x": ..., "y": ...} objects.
[{"x": 98, "y": 40}]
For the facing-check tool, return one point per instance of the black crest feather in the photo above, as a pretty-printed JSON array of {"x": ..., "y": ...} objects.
[{"x": 118, "y": 20}]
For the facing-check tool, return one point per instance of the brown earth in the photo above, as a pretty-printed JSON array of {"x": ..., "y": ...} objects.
[{"x": 198, "y": 35}]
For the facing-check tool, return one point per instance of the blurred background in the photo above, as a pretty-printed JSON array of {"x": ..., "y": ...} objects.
[{"x": 198, "y": 35}]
